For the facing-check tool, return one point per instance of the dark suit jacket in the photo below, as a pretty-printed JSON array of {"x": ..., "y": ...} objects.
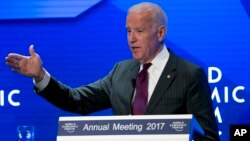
[{"x": 186, "y": 91}]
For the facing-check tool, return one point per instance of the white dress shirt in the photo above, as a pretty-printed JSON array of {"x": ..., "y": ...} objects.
[{"x": 156, "y": 69}]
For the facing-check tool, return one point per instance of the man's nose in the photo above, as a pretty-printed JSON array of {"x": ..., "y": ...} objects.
[{"x": 132, "y": 37}]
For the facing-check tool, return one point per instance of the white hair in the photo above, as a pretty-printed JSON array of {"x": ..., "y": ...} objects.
[{"x": 155, "y": 12}]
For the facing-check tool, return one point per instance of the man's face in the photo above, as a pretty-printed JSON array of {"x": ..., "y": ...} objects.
[{"x": 142, "y": 37}]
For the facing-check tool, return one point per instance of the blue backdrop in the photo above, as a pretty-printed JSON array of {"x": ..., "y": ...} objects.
[{"x": 79, "y": 41}]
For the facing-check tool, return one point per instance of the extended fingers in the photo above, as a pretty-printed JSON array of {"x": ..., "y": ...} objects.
[
  {"x": 16, "y": 66},
  {"x": 15, "y": 56},
  {"x": 14, "y": 60}
]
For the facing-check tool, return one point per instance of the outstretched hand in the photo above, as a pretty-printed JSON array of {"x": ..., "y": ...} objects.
[{"x": 27, "y": 65}]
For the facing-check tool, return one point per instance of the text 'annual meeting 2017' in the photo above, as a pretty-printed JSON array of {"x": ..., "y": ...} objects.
[{"x": 114, "y": 126}]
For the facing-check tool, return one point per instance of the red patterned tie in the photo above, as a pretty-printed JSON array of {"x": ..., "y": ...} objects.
[{"x": 141, "y": 97}]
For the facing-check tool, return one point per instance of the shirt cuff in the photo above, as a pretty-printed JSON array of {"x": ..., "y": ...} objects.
[{"x": 44, "y": 83}]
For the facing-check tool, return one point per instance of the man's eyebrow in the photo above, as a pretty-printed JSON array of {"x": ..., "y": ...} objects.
[{"x": 140, "y": 28}]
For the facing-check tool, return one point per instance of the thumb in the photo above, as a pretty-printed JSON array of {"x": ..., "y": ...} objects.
[{"x": 32, "y": 50}]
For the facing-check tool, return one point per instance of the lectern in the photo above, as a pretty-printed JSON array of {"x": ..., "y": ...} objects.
[{"x": 128, "y": 128}]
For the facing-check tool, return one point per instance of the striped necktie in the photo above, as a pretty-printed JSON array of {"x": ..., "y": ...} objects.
[{"x": 139, "y": 104}]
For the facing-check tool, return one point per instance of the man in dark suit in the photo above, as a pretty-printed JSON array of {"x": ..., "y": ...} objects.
[{"x": 172, "y": 85}]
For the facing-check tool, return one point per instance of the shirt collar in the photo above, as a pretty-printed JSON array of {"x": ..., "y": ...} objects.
[{"x": 162, "y": 57}]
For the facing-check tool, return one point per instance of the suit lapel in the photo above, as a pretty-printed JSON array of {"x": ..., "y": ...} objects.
[
  {"x": 130, "y": 87},
  {"x": 164, "y": 82}
]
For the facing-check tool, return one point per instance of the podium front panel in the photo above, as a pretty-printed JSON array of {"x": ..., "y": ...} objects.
[{"x": 123, "y": 128}]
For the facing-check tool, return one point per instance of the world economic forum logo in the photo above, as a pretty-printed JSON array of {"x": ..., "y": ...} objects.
[
  {"x": 70, "y": 127},
  {"x": 178, "y": 125}
]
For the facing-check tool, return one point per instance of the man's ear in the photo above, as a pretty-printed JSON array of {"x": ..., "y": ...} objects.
[{"x": 162, "y": 31}]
